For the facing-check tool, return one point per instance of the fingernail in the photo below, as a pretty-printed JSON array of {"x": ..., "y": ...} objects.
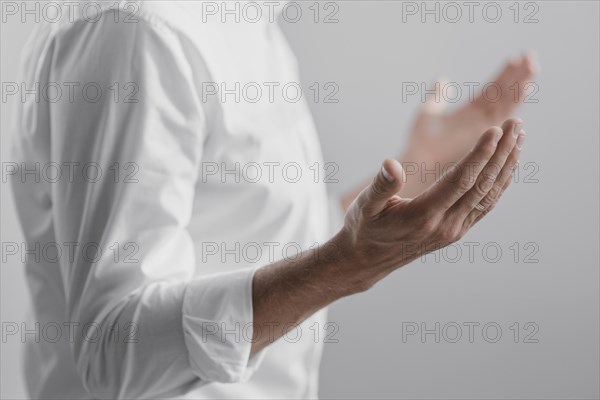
[
  {"x": 387, "y": 175},
  {"x": 517, "y": 129},
  {"x": 521, "y": 139}
]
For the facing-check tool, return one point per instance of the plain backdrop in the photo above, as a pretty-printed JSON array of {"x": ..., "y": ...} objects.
[{"x": 550, "y": 214}]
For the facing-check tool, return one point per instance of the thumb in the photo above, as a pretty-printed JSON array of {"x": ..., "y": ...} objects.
[{"x": 385, "y": 185}]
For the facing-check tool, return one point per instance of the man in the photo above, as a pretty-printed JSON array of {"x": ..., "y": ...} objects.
[{"x": 165, "y": 306}]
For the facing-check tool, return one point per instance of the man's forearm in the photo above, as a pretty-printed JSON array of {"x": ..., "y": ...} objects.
[{"x": 287, "y": 292}]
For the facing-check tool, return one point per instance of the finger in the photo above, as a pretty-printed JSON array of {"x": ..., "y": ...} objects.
[
  {"x": 509, "y": 71},
  {"x": 531, "y": 63},
  {"x": 501, "y": 184},
  {"x": 520, "y": 74},
  {"x": 479, "y": 216},
  {"x": 508, "y": 86},
  {"x": 506, "y": 185},
  {"x": 461, "y": 177},
  {"x": 486, "y": 180},
  {"x": 518, "y": 69},
  {"x": 436, "y": 103},
  {"x": 520, "y": 82},
  {"x": 385, "y": 185}
]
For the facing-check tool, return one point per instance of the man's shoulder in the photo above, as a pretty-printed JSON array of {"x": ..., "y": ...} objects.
[{"x": 177, "y": 16}]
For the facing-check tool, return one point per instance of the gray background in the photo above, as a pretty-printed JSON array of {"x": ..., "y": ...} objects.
[{"x": 369, "y": 53}]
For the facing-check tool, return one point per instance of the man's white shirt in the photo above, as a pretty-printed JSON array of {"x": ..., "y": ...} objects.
[{"x": 176, "y": 183}]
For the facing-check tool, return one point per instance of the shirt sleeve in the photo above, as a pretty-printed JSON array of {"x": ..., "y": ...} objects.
[{"x": 133, "y": 133}]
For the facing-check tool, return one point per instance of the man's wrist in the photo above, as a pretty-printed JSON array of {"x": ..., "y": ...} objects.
[{"x": 341, "y": 267}]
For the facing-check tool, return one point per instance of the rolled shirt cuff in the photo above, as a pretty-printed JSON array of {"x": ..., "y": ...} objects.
[{"x": 218, "y": 326}]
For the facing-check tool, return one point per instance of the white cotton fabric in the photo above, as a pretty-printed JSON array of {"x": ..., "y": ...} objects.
[{"x": 158, "y": 279}]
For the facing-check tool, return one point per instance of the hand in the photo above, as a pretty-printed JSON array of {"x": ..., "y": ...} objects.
[
  {"x": 439, "y": 138},
  {"x": 383, "y": 231}
]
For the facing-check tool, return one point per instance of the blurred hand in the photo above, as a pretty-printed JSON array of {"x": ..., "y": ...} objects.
[
  {"x": 439, "y": 137},
  {"x": 384, "y": 231}
]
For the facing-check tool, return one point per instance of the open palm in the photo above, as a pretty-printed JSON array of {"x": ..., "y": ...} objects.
[{"x": 440, "y": 137}]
